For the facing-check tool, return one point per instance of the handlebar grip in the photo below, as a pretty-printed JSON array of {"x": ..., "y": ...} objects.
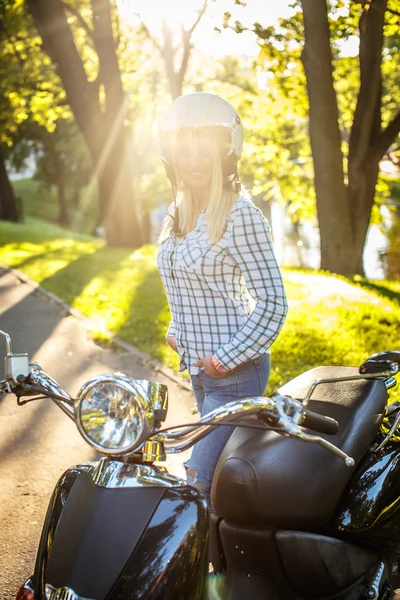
[{"x": 320, "y": 423}]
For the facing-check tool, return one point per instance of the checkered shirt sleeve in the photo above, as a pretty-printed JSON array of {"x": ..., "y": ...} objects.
[{"x": 251, "y": 248}]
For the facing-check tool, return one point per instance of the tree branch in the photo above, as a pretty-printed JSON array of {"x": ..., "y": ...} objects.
[
  {"x": 199, "y": 17},
  {"x": 366, "y": 115},
  {"x": 187, "y": 46},
  {"x": 387, "y": 136},
  {"x": 186, "y": 35},
  {"x": 75, "y": 13},
  {"x": 50, "y": 20},
  {"x": 147, "y": 33}
]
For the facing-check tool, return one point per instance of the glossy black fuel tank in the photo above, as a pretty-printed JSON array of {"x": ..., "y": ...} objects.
[
  {"x": 370, "y": 507},
  {"x": 118, "y": 531}
]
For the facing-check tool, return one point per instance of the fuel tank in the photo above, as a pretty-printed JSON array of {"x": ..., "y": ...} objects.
[
  {"x": 370, "y": 507},
  {"x": 117, "y": 531}
]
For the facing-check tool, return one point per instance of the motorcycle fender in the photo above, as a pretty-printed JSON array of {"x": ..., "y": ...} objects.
[
  {"x": 105, "y": 542},
  {"x": 370, "y": 507}
]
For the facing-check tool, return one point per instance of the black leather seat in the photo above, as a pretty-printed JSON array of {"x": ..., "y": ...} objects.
[{"x": 264, "y": 478}]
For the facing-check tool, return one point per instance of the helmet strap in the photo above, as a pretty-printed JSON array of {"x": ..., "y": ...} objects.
[
  {"x": 238, "y": 183},
  {"x": 232, "y": 181}
]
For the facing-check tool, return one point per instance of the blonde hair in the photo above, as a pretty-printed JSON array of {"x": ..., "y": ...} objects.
[{"x": 221, "y": 200}]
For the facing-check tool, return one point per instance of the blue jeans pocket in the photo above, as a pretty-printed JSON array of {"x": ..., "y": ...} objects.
[
  {"x": 217, "y": 377},
  {"x": 261, "y": 359}
]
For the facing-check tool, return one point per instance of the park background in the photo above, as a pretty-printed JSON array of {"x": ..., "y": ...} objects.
[{"x": 83, "y": 192}]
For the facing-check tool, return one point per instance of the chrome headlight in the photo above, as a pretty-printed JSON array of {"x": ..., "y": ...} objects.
[{"x": 115, "y": 414}]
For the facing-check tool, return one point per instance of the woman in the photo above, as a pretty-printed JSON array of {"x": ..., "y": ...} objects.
[{"x": 216, "y": 260}]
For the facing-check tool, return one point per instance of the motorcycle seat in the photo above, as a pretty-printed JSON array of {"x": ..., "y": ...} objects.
[{"x": 265, "y": 479}]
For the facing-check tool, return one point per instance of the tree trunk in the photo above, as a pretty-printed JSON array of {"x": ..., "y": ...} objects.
[
  {"x": 63, "y": 217},
  {"x": 168, "y": 53},
  {"x": 332, "y": 206},
  {"x": 9, "y": 210},
  {"x": 363, "y": 161},
  {"x": 117, "y": 181},
  {"x": 361, "y": 195},
  {"x": 102, "y": 128},
  {"x": 146, "y": 221}
]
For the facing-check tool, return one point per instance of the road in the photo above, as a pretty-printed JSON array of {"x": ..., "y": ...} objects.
[{"x": 37, "y": 441}]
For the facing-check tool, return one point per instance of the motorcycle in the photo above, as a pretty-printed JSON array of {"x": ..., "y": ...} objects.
[{"x": 298, "y": 516}]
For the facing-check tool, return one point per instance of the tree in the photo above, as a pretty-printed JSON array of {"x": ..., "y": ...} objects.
[
  {"x": 344, "y": 211},
  {"x": 346, "y": 159},
  {"x": 99, "y": 104},
  {"x": 9, "y": 209},
  {"x": 30, "y": 95},
  {"x": 63, "y": 161},
  {"x": 170, "y": 52}
]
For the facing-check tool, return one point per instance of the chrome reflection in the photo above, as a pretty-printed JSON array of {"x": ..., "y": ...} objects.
[
  {"x": 62, "y": 593},
  {"x": 183, "y": 438},
  {"x": 112, "y": 474},
  {"x": 116, "y": 413},
  {"x": 111, "y": 414},
  {"x": 56, "y": 392}
]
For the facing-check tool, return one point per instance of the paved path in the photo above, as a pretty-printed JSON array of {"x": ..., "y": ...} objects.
[{"x": 37, "y": 441}]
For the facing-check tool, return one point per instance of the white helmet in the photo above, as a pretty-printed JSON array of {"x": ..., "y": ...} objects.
[{"x": 201, "y": 109}]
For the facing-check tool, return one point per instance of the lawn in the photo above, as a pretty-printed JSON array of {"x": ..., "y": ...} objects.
[
  {"x": 331, "y": 320},
  {"x": 39, "y": 201}
]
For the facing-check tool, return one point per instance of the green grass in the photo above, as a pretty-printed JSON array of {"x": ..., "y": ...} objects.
[
  {"x": 40, "y": 202},
  {"x": 331, "y": 321}
]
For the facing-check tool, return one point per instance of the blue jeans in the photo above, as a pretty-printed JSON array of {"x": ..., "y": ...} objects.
[{"x": 247, "y": 380}]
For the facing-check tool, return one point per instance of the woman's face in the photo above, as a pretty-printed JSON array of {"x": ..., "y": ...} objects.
[{"x": 193, "y": 159}]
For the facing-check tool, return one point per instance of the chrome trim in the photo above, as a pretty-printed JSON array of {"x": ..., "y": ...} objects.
[
  {"x": 62, "y": 593},
  {"x": 15, "y": 365},
  {"x": 289, "y": 411},
  {"x": 291, "y": 422},
  {"x": 117, "y": 474},
  {"x": 390, "y": 383},
  {"x": 157, "y": 393},
  {"x": 390, "y": 433},
  {"x": 228, "y": 412},
  {"x": 317, "y": 382},
  {"x": 8, "y": 341},
  {"x": 64, "y": 400},
  {"x": 153, "y": 451},
  {"x": 144, "y": 393},
  {"x": 374, "y": 589}
]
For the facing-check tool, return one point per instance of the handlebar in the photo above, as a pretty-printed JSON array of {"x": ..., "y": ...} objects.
[
  {"x": 287, "y": 413},
  {"x": 320, "y": 423}
]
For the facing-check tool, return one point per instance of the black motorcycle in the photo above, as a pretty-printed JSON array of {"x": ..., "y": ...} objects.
[{"x": 298, "y": 516}]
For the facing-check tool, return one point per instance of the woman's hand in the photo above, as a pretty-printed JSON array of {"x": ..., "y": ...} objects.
[
  {"x": 171, "y": 341},
  {"x": 208, "y": 367}
]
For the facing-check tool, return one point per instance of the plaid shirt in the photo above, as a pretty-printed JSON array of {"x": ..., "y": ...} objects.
[{"x": 226, "y": 298}]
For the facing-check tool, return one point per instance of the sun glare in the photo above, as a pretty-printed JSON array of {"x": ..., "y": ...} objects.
[
  {"x": 176, "y": 13},
  {"x": 183, "y": 13}
]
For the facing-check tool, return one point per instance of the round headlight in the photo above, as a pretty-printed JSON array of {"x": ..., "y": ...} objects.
[{"x": 112, "y": 414}]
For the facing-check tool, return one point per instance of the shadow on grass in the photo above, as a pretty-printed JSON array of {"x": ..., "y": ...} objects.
[
  {"x": 381, "y": 289},
  {"x": 81, "y": 271},
  {"x": 148, "y": 318},
  {"x": 46, "y": 255}
]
